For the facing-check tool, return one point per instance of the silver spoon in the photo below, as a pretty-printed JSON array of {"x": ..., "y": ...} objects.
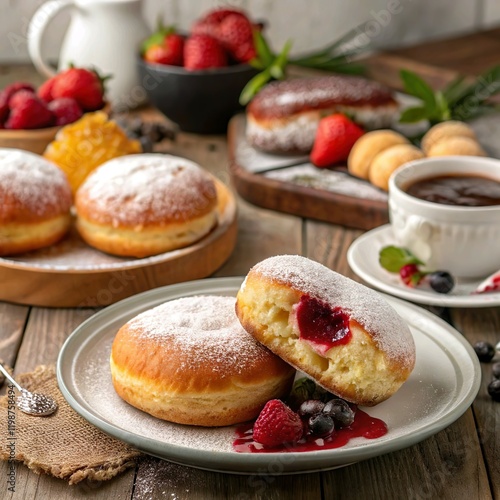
[{"x": 31, "y": 403}]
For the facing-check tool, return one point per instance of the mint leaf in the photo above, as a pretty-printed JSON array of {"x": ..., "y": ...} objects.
[
  {"x": 264, "y": 53},
  {"x": 393, "y": 258},
  {"x": 253, "y": 86},
  {"x": 416, "y": 86},
  {"x": 412, "y": 115}
]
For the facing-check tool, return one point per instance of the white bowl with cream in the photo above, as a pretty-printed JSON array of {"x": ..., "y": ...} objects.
[{"x": 462, "y": 240}]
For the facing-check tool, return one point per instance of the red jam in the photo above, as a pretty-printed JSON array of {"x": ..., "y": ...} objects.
[
  {"x": 320, "y": 325},
  {"x": 363, "y": 426}
]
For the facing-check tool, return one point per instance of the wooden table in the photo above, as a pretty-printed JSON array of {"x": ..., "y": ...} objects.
[{"x": 462, "y": 461}]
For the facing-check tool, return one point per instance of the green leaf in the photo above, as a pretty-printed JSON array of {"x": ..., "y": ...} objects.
[
  {"x": 253, "y": 86},
  {"x": 264, "y": 52},
  {"x": 393, "y": 258},
  {"x": 416, "y": 86},
  {"x": 454, "y": 90},
  {"x": 412, "y": 115}
]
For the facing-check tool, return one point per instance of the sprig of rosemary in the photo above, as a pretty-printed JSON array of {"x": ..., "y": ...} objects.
[
  {"x": 335, "y": 57},
  {"x": 459, "y": 100}
]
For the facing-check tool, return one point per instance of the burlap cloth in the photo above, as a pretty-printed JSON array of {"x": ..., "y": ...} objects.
[{"x": 63, "y": 444}]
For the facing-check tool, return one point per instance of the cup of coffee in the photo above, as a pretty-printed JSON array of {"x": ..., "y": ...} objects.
[{"x": 446, "y": 211}]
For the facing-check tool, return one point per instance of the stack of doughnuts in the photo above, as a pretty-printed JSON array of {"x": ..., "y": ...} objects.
[
  {"x": 284, "y": 116},
  {"x": 145, "y": 204},
  {"x": 212, "y": 361},
  {"x": 35, "y": 202}
]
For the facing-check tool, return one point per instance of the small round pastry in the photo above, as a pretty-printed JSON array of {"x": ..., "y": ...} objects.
[
  {"x": 445, "y": 130},
  {"x": 384, "y": 164},
  {"x": 35, "y": 202},
  {"x": 457, "y": 145},
  {"x": 146, "y": 204},
  {"x": 189, "y": 361},
  {"x": 284, "y": 116},
  {"x": 343, "y": 334},
  {"x": 368, "y": 146}
]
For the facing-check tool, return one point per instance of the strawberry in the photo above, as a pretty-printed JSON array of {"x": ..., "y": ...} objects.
[
  {"x": 65, "y": 110},
  {"x": 236, "y": 36},
  {"x": 83, "y": 85},
  {"x": 30, "y": 112},
  {"x": 44, "y": 92},
  {"x": 19, "y": 97},
  {"x": 490, "y": 284},
  {"x": 216, "y": 16},
  {"x": 335, "y": 138},
  {"x": 169, "y": 51},
  {"x": 203, "y": 52},
  {"x": 16, "y": 86},
  {"x": 4, "y": 106},
  {"x": 277, "y": 424}
]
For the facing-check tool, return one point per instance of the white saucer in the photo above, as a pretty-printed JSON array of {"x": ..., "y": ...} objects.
[{"x": 363, "y": 259}]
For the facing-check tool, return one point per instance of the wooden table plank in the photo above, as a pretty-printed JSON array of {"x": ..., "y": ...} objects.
[
  {"x": 484, "y": 325},
  {"x": 12, "y": 321}
]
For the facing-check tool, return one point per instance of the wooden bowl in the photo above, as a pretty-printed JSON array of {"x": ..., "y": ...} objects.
[{"x": 30, "y": 140}]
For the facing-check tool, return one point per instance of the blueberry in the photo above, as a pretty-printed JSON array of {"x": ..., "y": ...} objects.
[
  {"x": 311, "y": 407},
  {"x": 441, "y": 281},
  {"x": 340, "y": 411},
  {"x": 494, "y": 389},
  {"x": 321, "y": 425},
  {"x": 485, "y": 351},
  {"x": 496, "y": 369}
]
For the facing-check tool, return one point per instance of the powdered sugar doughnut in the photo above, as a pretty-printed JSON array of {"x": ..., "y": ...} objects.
[
  {"x": 140, "y": 205},
  {"x": 339, "y": 332},
  {"x": 35, "y": 202},
  {"x": 284, "y": 116},
  {"x": 189, "y": 361}
]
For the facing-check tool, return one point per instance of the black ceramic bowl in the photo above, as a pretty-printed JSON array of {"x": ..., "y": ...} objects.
[{"x": 198, "y": 101}]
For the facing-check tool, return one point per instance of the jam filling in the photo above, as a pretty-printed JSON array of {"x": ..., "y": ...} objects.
[
  {"x": 363, "y": 426},
  {"x": 320, "y": 325}
]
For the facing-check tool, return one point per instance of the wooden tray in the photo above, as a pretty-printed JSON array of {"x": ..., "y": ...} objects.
[
  {"x": 261, "y": 180},
  {"x": 72, "y": 274}
]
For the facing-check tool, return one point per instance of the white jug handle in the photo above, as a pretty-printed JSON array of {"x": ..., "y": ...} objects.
[{"x": 36, "y": 29}]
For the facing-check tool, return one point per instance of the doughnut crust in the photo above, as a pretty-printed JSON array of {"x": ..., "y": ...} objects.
[
  {"x": 35, "y": 202},
  {"x": 284, "y": 116},
  {"x": 189, "y": 361},
  {"x": 379, "y": 354},
  {"x": 141, "y": 205}
]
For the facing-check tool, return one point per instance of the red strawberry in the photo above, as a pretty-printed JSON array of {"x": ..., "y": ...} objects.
[
  {"x": 216, "y": 16},
  {"x": 335, "y": 138},
  {"x": 277, "y": 424},
  {"x": 29, "y": 112},
  {"x": 411, "y": 275},
  {"x": 203, "y": 52},
  {"x": 19, "y": 97},
  {"x": 16, "y": 86},
  {"x": 65, "y": 110},
  {"x": 44, "y": 92},
  {"x": 170, "y": 51},
  {"x": 490, "y": 284},
  {"x": 4, "y": 106},
  {"x": 235, "y": 35},
  {"x": 83, "y": 85}
]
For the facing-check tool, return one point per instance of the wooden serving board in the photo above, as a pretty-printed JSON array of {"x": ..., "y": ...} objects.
[
  {"x": 72, "y": 274},
  {"x": 292, "y": 185}
]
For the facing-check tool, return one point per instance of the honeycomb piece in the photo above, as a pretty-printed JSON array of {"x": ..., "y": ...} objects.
[{"x": 82, "y": 146}]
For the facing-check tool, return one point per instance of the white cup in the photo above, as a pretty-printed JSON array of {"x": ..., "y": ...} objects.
[{"x": 462, "y": 240}]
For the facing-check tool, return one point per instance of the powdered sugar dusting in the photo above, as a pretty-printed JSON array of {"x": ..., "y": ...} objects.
[
  {"x": 364, "y": 305},
  {"x": 204, "y": 330},
  {"x": 147, "y": 188},
  {"x": 30, "y": 181}
]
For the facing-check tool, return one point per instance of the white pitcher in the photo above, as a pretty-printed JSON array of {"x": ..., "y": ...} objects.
[{"x": 104, "y": 34}]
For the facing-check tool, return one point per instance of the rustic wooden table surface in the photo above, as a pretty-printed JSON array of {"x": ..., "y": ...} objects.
[{"x": 462, "y": 461}]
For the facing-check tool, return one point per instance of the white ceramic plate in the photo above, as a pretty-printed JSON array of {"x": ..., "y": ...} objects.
[
  {"x": 363, "y": 259},
  {"x": 442, "y": 386}
]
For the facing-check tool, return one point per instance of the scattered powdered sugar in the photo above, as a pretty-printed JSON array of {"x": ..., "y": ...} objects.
[
  {"x": 147, "y": 187},
  {"x": 330, "y": 180},
  {"x": 364, "y": 305},
  {"x": 204, "y": 330},
  {"x": 30, "y": 181}
]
